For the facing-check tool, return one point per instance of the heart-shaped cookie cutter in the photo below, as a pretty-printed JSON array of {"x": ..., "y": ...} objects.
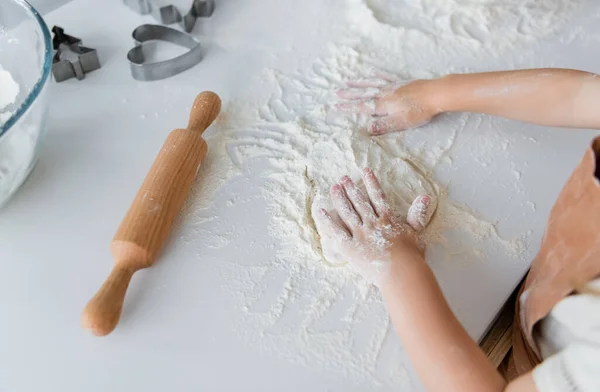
[{"x": 140, "y": 70}]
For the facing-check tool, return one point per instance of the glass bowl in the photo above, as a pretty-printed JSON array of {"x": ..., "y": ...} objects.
[{"x": 25, "y": 66}]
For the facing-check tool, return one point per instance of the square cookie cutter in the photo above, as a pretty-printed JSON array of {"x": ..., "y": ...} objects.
[{"x": 169, "y": 14}]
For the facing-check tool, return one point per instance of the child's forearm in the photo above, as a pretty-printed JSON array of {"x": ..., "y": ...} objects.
[
  {"x": 553, "y": 97},
  {"x": 441, "y": 351}
]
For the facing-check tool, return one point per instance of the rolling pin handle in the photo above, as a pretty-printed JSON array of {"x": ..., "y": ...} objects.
[
  {"x": 102, "y": 313},
  {"x": 204, "y": 111}
]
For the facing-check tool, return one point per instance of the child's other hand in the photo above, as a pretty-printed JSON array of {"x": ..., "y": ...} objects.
[
  {"x": 364, "y": 232},
  {"x": 394, "y": 107}
]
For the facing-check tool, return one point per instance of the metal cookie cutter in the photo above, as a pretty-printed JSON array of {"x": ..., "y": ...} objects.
[
  {"x": 199, "y": 9},
  {"x": 162, "y": 69},
  {"x": 169, "y": 14},
  {"x": 71, "y": 59}
]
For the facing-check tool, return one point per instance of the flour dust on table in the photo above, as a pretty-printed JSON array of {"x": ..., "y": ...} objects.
[
  {"x": 491, "y": 24},
  {"x": 308, "y": 148},
  {"x": 298, "y": 304}
]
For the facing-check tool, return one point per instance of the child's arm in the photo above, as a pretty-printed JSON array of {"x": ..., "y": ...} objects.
[
  {"x": 443, "y": 354},
  {"x": 553, "y": 97},
  {"x": 365, "y": 233}
]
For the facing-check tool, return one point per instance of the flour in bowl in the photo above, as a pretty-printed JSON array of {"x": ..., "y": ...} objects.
[
  {"x": 9, "y": 90},
  {"x": 17, "y": 145}
]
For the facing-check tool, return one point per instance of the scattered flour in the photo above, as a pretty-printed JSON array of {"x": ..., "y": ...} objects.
[
  {"x": 489, "y": 23},
  {"x": 298, "y": 305}
]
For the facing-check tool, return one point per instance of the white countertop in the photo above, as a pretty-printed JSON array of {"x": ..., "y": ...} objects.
[
  {"x": 177, "y": 330},
  {"x": 45, "y": 6}
]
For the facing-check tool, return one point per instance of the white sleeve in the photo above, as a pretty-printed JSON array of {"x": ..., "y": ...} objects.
[
  {"x": 574, "y": 369},
  {"x": 569, "y": 340}
]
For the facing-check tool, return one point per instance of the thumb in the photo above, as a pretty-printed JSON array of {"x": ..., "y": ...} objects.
[
  {"x": 392, "y": 123},
  {"x": 420, "y": 212}
]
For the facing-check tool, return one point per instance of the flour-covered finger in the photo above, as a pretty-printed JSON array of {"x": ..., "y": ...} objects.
[
  {"x": 329, "y": 227},
  {"x": 344, "y": 207},
  {"x": 359, "y": 200},
  {"x": 381, "y": 126},
  {"x": 367, "y": 83},
  {"x": 420, "y": 212},
  {"x": 372, "y": 107},
  {"x": 358, "y": 93},
  {"x": 368, "y": 106},
  {"x": 376, "y": 194}
]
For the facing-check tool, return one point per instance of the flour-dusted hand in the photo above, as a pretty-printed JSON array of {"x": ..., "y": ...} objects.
[
  {"x": 364, "y": 232},
  {"x": 394, "y": 107}
]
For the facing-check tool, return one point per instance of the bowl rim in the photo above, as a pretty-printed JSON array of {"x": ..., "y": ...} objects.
[{"x": 39, "y": 85}]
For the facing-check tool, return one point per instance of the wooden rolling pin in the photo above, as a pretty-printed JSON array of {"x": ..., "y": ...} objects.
[{"x": 149, "y": 219}]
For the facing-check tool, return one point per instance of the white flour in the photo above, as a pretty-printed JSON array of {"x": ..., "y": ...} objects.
[
  {"x": 17, "y": 146},
  {"x": 495, "y": 24},
  {"x": 298, "y": 305},
  {"x": 9, "y": 90}
]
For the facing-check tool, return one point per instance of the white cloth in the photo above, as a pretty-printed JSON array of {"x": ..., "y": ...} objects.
[{"x": 569, "y": 342}]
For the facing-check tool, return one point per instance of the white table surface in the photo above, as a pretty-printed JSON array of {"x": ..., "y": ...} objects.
[
  {"x": 176, "y": 331},
  {"x": 45, "y": 6}
]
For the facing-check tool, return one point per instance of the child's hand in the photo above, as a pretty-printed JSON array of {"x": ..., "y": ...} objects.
[
  {"x": 393, "y": 107},
  {"x": 365, "y": 232}
]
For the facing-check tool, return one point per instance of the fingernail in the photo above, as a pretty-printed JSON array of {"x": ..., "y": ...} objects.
[
  {"x": 368, "y": 170},
  {"x": 420, "y": 204},
  {"x": 377, "y": 128},
  {"x": 336, "y": 188},
  {"x": 345, "y": 179}
]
